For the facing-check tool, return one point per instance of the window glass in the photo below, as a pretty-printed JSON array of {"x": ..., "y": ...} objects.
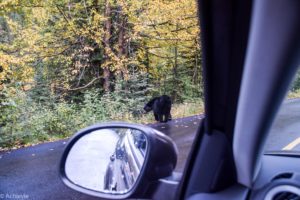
[
  {"x": 285, "y": 132},
  {"x": 67, "y": 65}
]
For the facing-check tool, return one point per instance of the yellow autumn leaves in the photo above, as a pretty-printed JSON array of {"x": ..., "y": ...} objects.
[{"x": 45, "y": 30}]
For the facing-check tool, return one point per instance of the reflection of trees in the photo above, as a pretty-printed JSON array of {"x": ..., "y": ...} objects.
[{"x": 121, "y": 131}]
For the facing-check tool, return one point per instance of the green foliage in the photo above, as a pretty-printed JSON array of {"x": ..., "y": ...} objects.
[
  {"x": 28, "y": 121},
  {"x": 296, "y": 83},
  {"x": 25, "y": 120},
  {"x": 67, "y": 64}
]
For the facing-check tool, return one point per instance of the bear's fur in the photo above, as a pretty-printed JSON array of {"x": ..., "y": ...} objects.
[{"x": 161, "y": 107}]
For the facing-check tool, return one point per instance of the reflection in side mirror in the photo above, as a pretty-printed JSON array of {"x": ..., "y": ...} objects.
[{"x": 107, "y": 160}]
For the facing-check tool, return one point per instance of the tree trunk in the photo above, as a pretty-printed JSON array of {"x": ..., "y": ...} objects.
[
  {"x": 195, "y": 74},
  {"x": 175, "y": 73},
  {"x": 147, "y": 63},
  {"x": 107, "y": 35},
  {"x": 121, "y": 39},
  {"x": 121, "y": 36}
]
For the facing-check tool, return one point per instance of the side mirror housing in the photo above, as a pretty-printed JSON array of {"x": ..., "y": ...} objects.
[{"x": 117, "y": 160}]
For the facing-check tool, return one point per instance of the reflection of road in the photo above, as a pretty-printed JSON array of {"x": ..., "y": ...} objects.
[{"x": 90, "y": 156}]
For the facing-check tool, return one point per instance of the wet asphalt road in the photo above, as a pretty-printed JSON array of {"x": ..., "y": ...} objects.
[
  {"x": 285, "y": 130},
  {"x": 32, "y": 173}
]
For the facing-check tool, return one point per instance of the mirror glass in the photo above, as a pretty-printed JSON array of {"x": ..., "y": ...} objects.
[{"x": 107, "y": 160}]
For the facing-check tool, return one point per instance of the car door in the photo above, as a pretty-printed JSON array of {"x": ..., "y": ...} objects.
[
  {"x": 225, "y": 27},
  {"x": 261, "y": 60}
]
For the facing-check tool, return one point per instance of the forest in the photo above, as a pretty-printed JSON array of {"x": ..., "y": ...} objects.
[{"x": 66, "y": 64}]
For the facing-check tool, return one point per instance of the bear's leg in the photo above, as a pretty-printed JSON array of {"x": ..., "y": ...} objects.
[
  {"x": 161, "y": 118},
  {"x": 156, "y": 117},
  {"x": 165, "y": 118},
  {"x": 170, "y": 117},
  {"x": 149, "y": 106}
]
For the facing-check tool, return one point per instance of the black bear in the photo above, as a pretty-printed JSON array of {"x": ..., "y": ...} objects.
[{"x": 161, "y": 107}]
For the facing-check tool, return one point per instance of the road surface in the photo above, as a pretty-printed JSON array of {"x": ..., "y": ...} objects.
[
  {"x": 32, "y": 173},
  {"x": 285, "y": 132}
]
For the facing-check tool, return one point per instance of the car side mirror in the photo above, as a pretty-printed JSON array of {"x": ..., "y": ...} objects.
[{"x": 117, "y": 160}]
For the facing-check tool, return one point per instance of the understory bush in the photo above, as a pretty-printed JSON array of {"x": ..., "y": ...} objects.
[{"x": 25, "y": 121}]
